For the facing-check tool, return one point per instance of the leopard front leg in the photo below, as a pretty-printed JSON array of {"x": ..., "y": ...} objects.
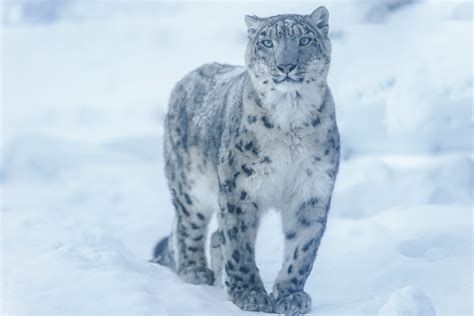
[
  {"x": 238, "y": 221},
  {"x": 303, "y": 226}
]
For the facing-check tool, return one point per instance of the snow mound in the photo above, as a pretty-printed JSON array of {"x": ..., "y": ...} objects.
[{"x": 409, "y": 301}]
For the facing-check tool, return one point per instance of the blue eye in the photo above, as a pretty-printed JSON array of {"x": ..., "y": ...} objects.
[
  {"x": 305, "y": 41},
  {"x": 267, "y": 43}
]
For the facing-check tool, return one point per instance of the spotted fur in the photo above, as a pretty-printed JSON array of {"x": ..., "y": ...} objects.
[{"x": 241, "y": 140}]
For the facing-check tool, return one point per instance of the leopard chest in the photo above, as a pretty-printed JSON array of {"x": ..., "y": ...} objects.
[{"x": 290, "y": 163}]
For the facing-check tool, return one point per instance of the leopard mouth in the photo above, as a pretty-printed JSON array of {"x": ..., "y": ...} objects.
[{"x": 287, "y": 79}]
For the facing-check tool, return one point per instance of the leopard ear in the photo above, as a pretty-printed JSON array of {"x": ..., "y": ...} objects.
[
  {"x": 320, "y": 18},
  {"x": 253, "y": 24}
]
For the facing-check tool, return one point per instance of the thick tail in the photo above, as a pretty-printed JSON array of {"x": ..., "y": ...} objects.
[{"x": 163, "y": 254}]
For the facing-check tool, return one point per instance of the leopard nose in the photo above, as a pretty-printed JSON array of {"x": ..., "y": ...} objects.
[{"x": 286, "y": 68}]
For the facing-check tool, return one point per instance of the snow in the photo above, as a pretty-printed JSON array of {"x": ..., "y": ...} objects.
[
  {"x": 408, "y": 301},
  {"x": 83, "y": 193}
]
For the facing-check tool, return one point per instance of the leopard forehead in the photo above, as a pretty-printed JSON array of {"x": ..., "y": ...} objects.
[{"x": 283, "y": 26}]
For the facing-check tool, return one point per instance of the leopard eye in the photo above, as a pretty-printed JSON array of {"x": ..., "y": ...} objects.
[
  {"x": 267, "y": 43},
  {"x": 305, "y": 41}
]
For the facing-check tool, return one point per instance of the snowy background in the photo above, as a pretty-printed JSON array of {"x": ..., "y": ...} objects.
[{"x": 83, "y": 196}]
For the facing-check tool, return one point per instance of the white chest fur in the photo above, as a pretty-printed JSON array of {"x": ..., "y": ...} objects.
[
  {"x": 290, "y": 106},
  {"x": 297, "y": 168}
]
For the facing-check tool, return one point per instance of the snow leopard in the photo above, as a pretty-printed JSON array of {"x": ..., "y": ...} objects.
[{"x": 240, "y": 140}]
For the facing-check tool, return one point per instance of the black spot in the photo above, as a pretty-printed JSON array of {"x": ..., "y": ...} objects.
[
  {"x": 188, "y": 199},
  {"x": 294, "y": 281},
  {"x": 192, "y": 249},
  {"x": 303, "y": 211},
  {"x": 230, "y": 265},
  {"x": 243, "y": 195},
  {"x": 181, "y": 206},
  {"x": 248, "y": 171},
  {"x": 295, "y": 254},
  {"x": 331, "y": 143},
  {"x": 305, "y": 221},
  {"x": 266, "y": 123},
  {"x": 265, "y": 82},
  {"x": 308, "y": 244},
  {"x": 251, "y": 119},
  {"x": 228, "y": 186},
  {"x": 304, "y": 270},
  {"x": 290, "y": 269},
  {"x": 237, "y": 278},
  {"x": 236, "y": 256},
  {"x": 183, "y": 232},
  {"x": 316, "y": 121},
  {"x": 323, "y": 105},
  {"x": 200, "y": 216},
  {"x": 238, "y": 210},
  {"x": 239, "y": 146},
  {"x": 232, "y": 233},
  {"x": 266, "y": 159},
  {"x": 243, "y": 227},
  {"x": 244, "y": 269},
  {"x": 313, "y": 201},
  {"x": 250, "y": 146},
  {"x": 198, "y": 238},
  {"x": 230, "y": 207},
  {"x": 194, "y": 226},
  {"x": 290, "y": 235},
  {"x": 252, "y": 279}
]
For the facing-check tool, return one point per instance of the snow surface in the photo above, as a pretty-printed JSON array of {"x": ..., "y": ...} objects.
[
  {"x": 83, "y": 194},
  {"x": 408, "y": 301}
]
